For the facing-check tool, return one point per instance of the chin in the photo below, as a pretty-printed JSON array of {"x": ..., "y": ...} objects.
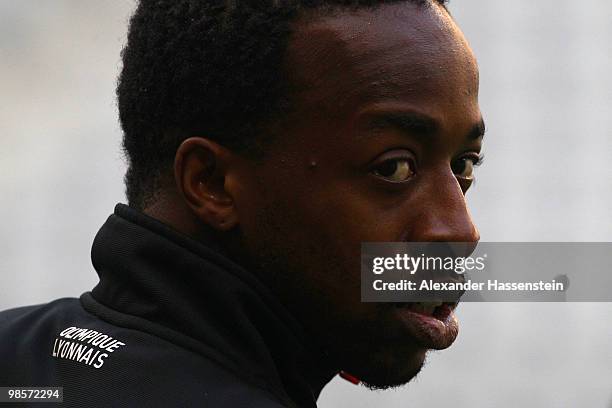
[{"x": 388, "y": 367}]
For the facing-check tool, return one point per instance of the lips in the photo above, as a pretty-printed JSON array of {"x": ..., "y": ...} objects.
[{"x": 432, "y": 324}]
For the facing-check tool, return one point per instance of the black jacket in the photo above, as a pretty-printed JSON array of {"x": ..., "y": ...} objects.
[{"x": 171, "y": 323}]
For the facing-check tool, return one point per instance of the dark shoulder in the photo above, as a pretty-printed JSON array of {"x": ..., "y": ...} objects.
[{"x": 101, "y": 364}]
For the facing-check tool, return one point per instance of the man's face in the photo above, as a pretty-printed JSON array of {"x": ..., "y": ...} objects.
[{"x": 379, "y": 147}]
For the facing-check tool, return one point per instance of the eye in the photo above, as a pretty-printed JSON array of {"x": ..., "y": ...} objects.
[
  {"x": 395, "y": 169},
  {"x": 464, "y": 166}
]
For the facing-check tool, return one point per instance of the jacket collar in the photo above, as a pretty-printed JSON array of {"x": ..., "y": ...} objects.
[{"x": 152, "y": 272}]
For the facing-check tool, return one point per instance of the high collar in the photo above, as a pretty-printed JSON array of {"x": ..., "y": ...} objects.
[{"x": 150, "y": 271}]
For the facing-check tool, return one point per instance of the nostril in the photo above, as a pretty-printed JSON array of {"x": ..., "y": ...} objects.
[{"x": 463, "y": 249}]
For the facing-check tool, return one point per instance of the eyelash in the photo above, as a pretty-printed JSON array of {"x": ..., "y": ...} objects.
[
  {"x": 476, "y": 158},
  {"x": 479, "y": 159}
]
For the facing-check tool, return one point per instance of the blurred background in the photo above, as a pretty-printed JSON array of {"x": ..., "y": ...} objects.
[{"x": 546, "y": 93}]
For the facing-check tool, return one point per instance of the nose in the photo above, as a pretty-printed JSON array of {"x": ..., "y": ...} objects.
[{"x": 443, "y": 215}]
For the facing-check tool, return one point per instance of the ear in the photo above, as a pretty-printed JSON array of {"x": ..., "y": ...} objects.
[{"x": 200, "y": 172}]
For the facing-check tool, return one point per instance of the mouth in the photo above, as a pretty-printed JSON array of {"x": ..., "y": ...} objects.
[{"x": 432, "y": 324}]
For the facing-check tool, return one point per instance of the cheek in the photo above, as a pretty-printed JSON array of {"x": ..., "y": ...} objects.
[
  {"x": 308, "y": 240},
  {"x": 324, "y": 229},
  {"x": 313, "y": 221}
]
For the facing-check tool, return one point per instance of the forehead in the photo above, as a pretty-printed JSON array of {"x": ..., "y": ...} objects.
[{"x": 394, "y": 51}]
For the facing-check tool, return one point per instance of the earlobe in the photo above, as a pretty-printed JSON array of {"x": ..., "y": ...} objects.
[{"x": 200, "y": 170}]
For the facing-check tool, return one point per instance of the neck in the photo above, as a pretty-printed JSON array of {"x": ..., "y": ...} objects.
[{"x": 203, "y": 294}]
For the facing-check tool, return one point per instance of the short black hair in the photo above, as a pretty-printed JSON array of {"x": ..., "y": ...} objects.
[{"x": 204, "y": 68}]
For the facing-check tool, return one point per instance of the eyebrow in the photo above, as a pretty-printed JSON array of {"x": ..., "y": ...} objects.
[{"x": 417, "y": 124}]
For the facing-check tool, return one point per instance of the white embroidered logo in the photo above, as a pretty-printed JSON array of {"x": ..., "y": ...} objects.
[{"x": 85, "y": 346}]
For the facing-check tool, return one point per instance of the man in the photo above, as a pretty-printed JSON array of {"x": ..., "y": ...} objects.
[{"x": 266, "y": 140}]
